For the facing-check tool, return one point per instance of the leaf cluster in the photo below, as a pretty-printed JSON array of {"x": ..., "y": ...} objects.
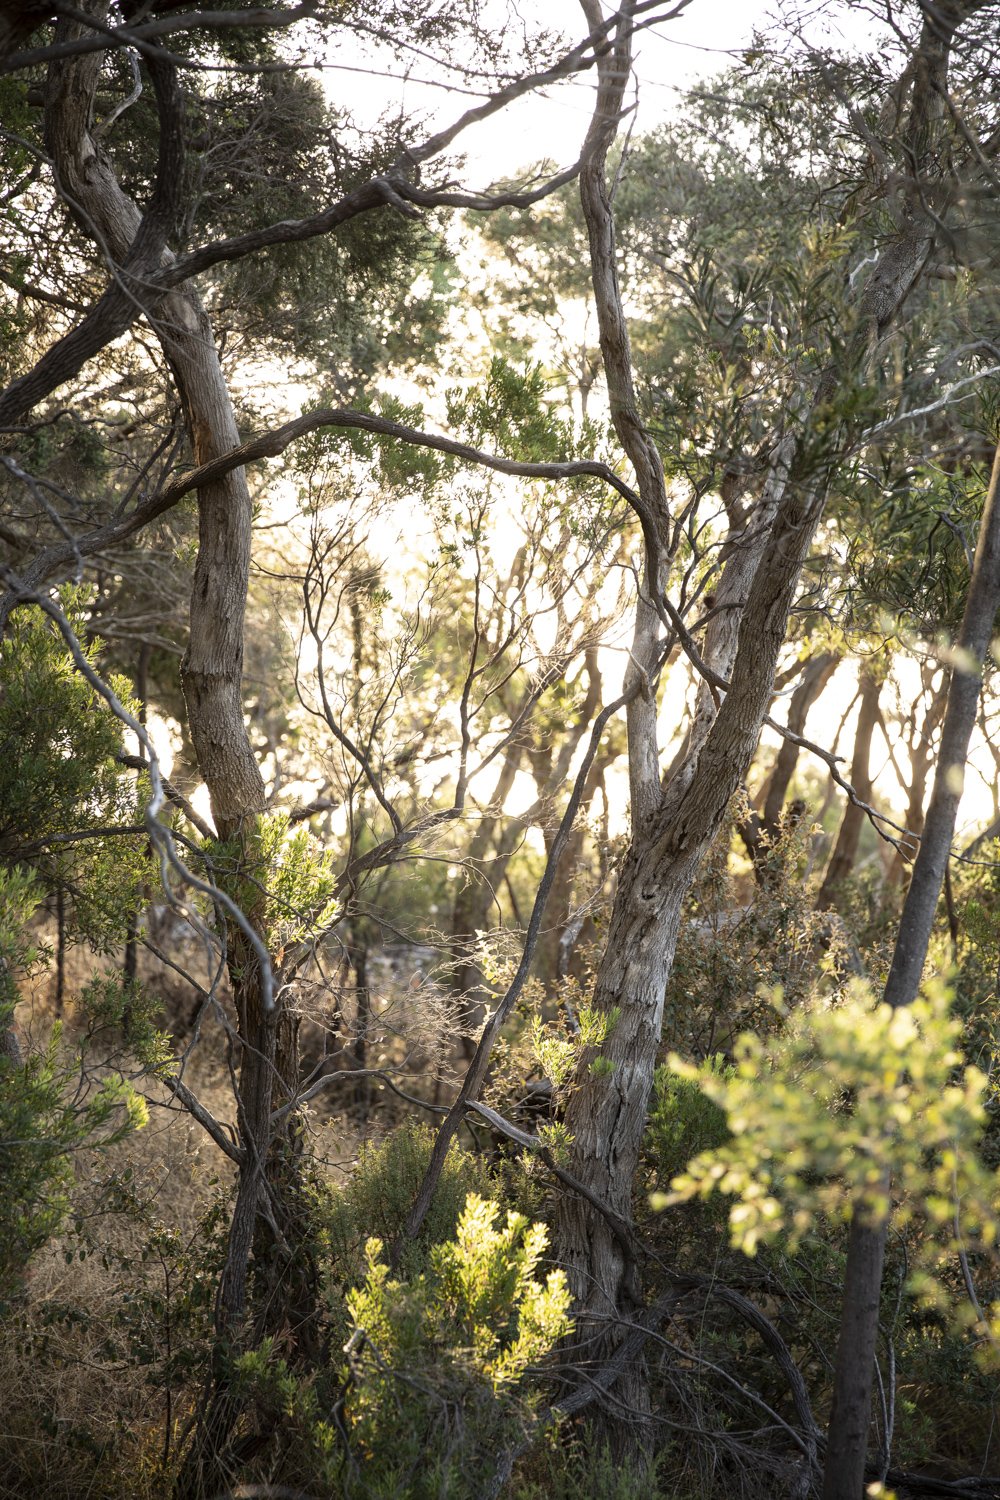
[
  {"x": 850, "y": 1096},
  {"x": 59, "y": 776}
]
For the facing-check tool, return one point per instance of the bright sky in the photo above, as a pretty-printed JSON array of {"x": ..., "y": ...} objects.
[{"x": 668, "y": 58}]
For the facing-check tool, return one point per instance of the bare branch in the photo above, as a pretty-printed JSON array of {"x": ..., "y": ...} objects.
[
  {"x": 207, "y": 1121},
  {"x": 172, "y": 794},
  {"x": 476, "y": 1072}
]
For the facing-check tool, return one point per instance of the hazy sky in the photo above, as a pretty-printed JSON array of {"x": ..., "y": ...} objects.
[{"x": 669, "y": 58}]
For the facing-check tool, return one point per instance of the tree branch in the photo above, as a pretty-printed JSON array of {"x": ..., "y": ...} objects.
[{"x": 270, "y": 445}]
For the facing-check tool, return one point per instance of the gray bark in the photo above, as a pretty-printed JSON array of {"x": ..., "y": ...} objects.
[
  {"x": 673, "y": 826},
  {"x": 846, "y": 1446}
]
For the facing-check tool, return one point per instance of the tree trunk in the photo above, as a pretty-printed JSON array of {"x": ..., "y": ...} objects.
[
  {"x": 814, "y": 679},
  {"x": 845, "y": 850},
  {"x": 607, "y": 1111},
  {"x": 672, "y": 827},
  {"x": 851, "y": 1411},
  {"x": 921, "y": 759},
  {"x": 212, "y": 682},
  {"x": 760, "y": 831}
]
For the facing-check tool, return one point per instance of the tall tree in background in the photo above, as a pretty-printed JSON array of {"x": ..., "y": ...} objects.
[{"x": 674, "y": 821}]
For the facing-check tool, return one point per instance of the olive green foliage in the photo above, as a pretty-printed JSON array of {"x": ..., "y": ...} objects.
[
  {"x": 448, "y": 1351},
  {"x": 59, "y": 775},
  {"x": 683, "y": 1120},
  {"x": 975, "y": 979},
  {"x": 123, "y": 1016},
  {"x": 509, "y": 410},
  {"x": 46, "y": 1114},
  {"x": 282, "y": 876},
  {"x": 377, "y": 1198},
  {"x": 567, "y": 1466},
  {"x": 740, "y": 938},
  {"x": 262, "y": 147},
  {"x": 48, "y": 1108},
  {"x": 821, "y": 1116},
  {"x": 19, "y": 897},
  {"x": 907, "y": 564},
  {"x": 557, "y": 1051},
  {"x": 434, "y": 1387}
]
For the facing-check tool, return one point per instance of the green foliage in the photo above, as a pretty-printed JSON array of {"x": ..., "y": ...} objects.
[
  {"x": 108, "y": 1003},
  {"x": 459, "y": 1338},
  {"x": 486, "y": 1282},
  {"x": 267, "y": 146},
  {"x": 378, "y": 1196},
  {"x": 42, "y": 1122},
  {"x": 683, "y": 1120},
  {"x": 557, "y": 1052},
  {"x": 823, "y": 1114},
  {"x": 48, "y": 1107},
  {"x": 906, "y": 543},
  {"x": 566, "y": 1467},
  {"x": 19, "y": 897},
  {"x": 435, "y": 1385},
  {"x": 508, "y": 411},
  {"x": 732, "y": 952},
  {"x": 59, "y": 775},
  {"x": 282, "y": 876},
  {"x": 394, "y": 465}
]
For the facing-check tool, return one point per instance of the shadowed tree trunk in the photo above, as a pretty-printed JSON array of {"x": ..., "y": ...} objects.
[
  {"x": 851, "y": 1411},
  {"x": 845, "y": 850}
]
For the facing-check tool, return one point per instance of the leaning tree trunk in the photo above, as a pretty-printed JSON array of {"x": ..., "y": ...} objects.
[
  {"x": 760, "y": 831},
  {"x": 607, "y": 1111},
  {"x": 850, "y": 1415},
  {"x": 814, "y": 679},
  {"x": 674, "y": 826}
]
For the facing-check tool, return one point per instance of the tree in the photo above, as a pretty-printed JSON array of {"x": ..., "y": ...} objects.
[
  {"x": 133, "y": 210},
  {"x": 772, "y": 527},
  {"x": 675, "y": 824}
]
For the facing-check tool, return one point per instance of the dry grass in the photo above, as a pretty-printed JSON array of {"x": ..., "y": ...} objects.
[{"x": 85, "y": 1412}]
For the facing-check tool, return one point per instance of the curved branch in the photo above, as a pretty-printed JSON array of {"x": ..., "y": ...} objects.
[{"x": 270, "y": 445}]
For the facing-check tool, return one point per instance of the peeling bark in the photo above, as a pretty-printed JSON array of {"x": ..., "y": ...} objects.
[{"x": 674, "y": 825}]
